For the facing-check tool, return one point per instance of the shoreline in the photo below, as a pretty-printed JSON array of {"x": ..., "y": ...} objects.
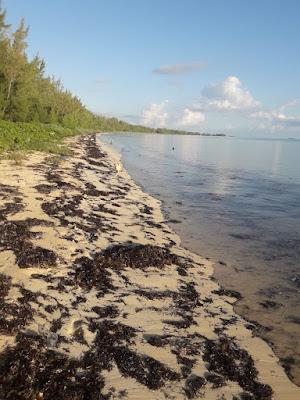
[
  {"x": 93, "y": 279},
  {"x": 268, "y": 299}
]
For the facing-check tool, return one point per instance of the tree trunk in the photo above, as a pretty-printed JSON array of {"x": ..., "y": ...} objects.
[
  {"x": 9, "y": 89},
  {"x": 8, "y": 95}
]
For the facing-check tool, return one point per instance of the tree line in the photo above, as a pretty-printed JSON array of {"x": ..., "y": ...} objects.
[{"x": 28, "y": 95}]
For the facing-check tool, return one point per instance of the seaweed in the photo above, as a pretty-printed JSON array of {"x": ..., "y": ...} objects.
[
  {"x": 225, "y": 358},
  {"x": 146, "y": 370},
  {"x": 13, "y": 203},
  {"x": 216, "y": 379},
  {"x": 44, "y": 188},
  {"x": 53, "y": 177},
  {"x": 95, "y": 271},
  {"x": 92, "y": 272},
  {"x": 228, "y": 292},
  {"x": 92, "y": 191},
  {"x": 65, "y": 209},
  {"x": 15, "y": 236},
  {"x": 185, "y": 301},
  {"x": 138, "y": 256},
  {"x": 32, "y": 371},
  {"x": 5, "y": 284},
  {"x": 14, "y": 315},
  {"x": 154, "y": 294},
  {"x": 193, "y": 384},
  {"x": 107, "y": 311}
]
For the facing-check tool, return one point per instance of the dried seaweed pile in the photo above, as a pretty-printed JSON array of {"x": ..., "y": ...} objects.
[{"x": 16, "y": 235}]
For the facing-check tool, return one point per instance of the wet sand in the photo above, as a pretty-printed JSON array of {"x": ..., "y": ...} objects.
[{"x": 99, "y": 300}]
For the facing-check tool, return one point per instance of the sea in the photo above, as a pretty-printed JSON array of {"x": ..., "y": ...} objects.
[{"x": 235, "y": 201}]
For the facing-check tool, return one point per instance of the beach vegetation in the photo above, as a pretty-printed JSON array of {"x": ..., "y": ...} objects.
[
  {"x": 36, "y": 111},
  {"x": 17, "y": 157}
]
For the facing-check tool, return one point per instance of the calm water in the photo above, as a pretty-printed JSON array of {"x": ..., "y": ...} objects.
[{"x": 236, "y": 201}]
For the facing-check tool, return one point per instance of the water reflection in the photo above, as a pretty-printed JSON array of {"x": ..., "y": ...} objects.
[{"x": 238, "y": 201}]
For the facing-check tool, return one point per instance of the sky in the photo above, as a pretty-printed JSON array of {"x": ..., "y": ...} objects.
[{"x": 209, "y": 66}]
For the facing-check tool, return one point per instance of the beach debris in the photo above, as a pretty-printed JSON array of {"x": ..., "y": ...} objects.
[
  {"x": 226, "y": 358},
  {"x": 193, "y": 384},
  {"x": 109, "y": 311},
  {"x": 118, "y": 167},
  {"x": 96, "y": 271},
  {"x": 296, "y": 280},
  {"x": 30, "y": 368},
  {"x": 270, "y": 304},
  {"x": 14, "y": 314},
  {"x": 44, "y": 188},
  {"x": 294, "y": 319},
  {"x": 92, "y": 191},
  {"x": 216, "y": 379},
  {"x": 11, "y": 199},
  {"x": 89, "y": 273},
  {"x": 16, "y": 235},
  {"x": 137, "y": 256},
  {"x": 228, "y": 292},
  {"x": 52, "y": 339}
]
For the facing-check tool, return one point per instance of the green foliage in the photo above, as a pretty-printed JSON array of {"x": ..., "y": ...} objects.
[
  {"x": 27, "y": 95},
  {"x": 18, "y": 136}
]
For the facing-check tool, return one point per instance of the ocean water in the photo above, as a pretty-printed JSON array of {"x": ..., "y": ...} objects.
[{"x": 237, "y": 202}]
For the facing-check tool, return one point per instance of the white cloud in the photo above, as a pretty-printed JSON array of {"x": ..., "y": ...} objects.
[
  {"x": 230, "y": 95},
  {"x": 179, "y": 68},
  {"x": 290, "y": 104},
  {"x": 155, "y": 115},
  {"x": 191, "y": 117},
  {"x": 227, "y": 95},
  {"x": 276, "y": 120}
]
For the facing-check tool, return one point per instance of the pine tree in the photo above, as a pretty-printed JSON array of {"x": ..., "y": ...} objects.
[
  {"x": 4, "y": 44},
  {"x": 27, "y": 95},
  {"x": 15, "y": 64}
]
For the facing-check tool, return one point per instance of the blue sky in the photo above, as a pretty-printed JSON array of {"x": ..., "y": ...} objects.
[{"x": 192, "y": 64}]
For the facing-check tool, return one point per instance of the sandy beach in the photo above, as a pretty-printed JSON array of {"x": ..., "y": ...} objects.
[{"x": 99, "y": 300}]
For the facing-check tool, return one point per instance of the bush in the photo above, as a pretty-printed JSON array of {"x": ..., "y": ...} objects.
[{"x": 18, "y": 136}]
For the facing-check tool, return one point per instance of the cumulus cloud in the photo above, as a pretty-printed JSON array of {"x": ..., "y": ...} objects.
[
  {"x": 176, "y": 69},
  {"x": 290, "y": 104},
  {"x": 191, "y": 117},
  {"x": 276, "y": 120},
  {"x": 155, "y": 115},
  {"x": 228, "y": 95},
  {"x": 231, "y": 95}
]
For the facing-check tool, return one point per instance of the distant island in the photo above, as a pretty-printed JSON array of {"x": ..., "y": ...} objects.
[{"x": 179, "y": 132}]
